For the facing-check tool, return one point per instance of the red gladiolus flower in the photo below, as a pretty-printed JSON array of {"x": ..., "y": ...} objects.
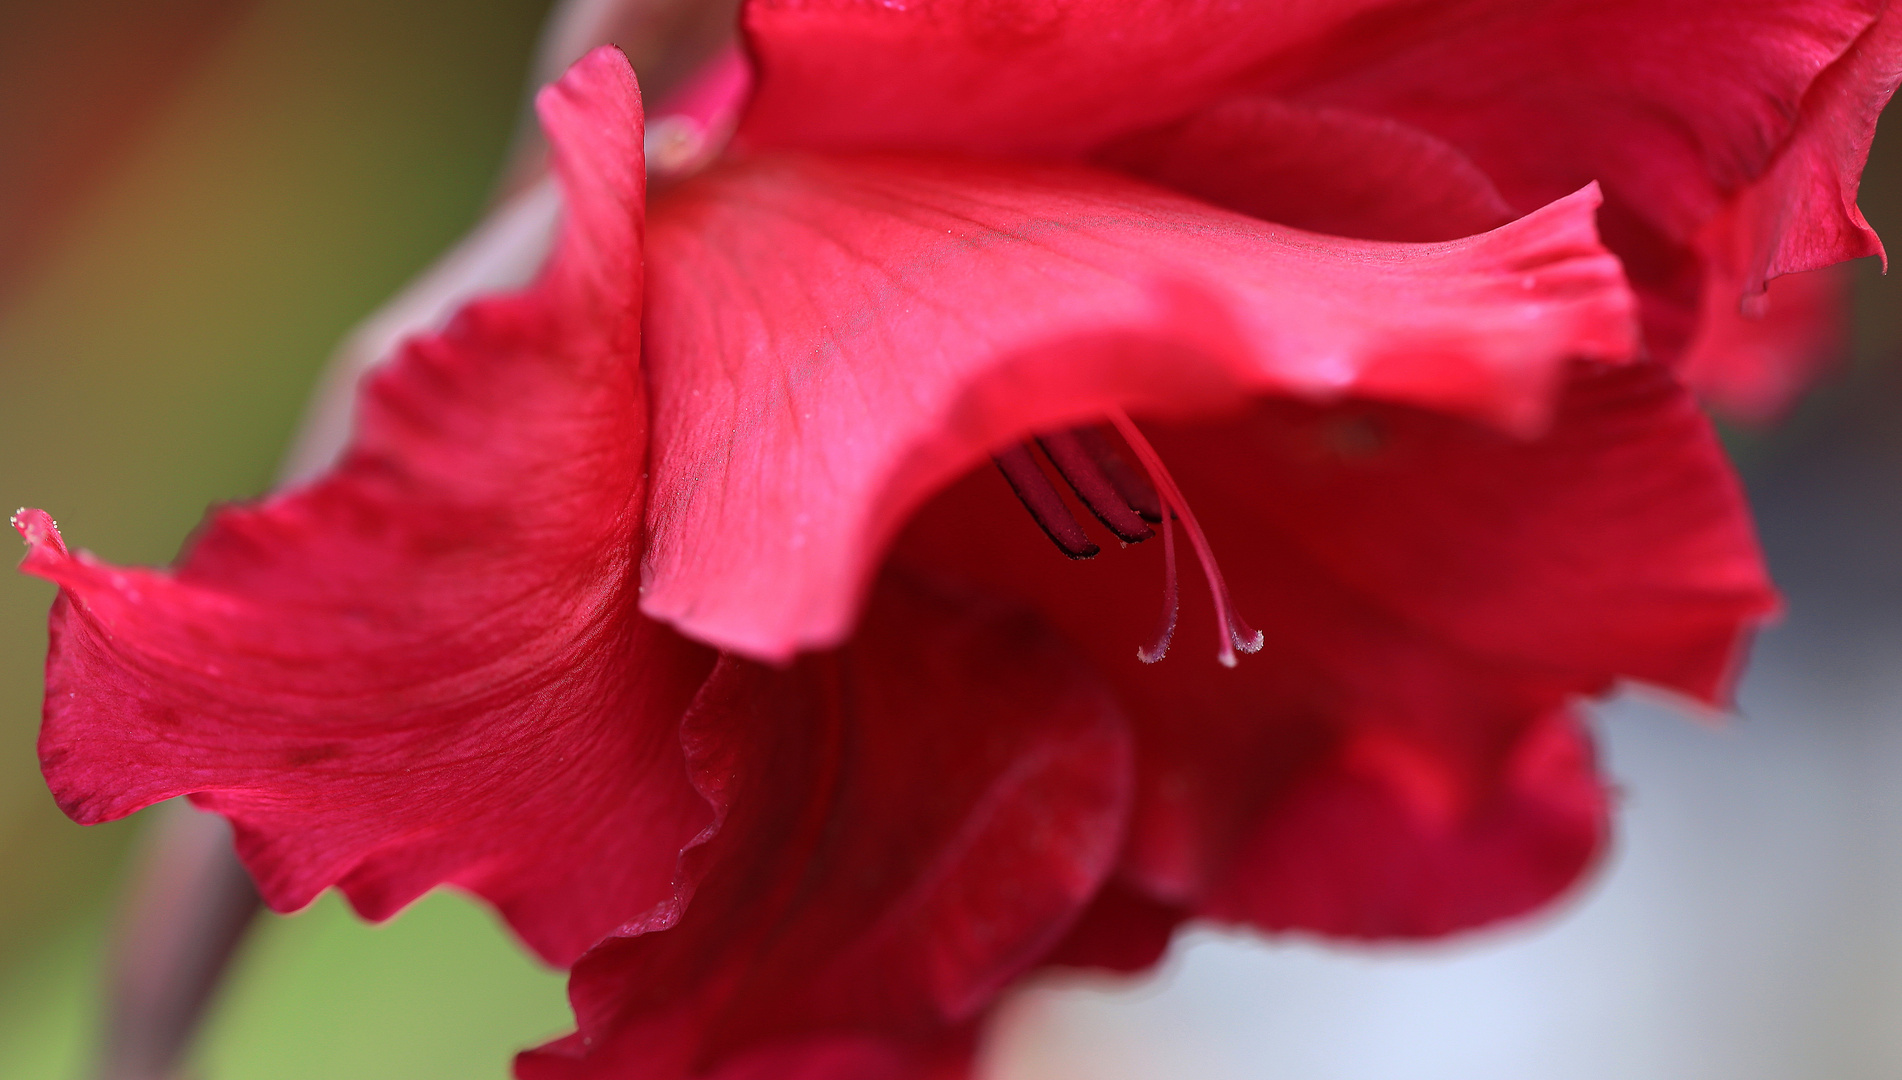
[{"x": 1424, "y": 473}]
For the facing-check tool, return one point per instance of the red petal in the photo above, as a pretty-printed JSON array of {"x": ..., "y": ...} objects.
[
  {"x": 1352, "y": 851},
  {"x": 830, "y": 340},
  {"x": 1325, "y": 170},
  {"x": 907, "y": 824},
  {"x": 1670, "y": 106},
  {"x": 427, "y": 667},
  {"x": 1752, "y": 364},
  {"x": 1759, "y": 112},
  {"x": 1433, "y": 594},
  {"x": 1755, "y": 351},
  {"x": 1801, "y": 214},
  {"x": 1003, "y": 76},
  {"x": 1122, "y": 930}
]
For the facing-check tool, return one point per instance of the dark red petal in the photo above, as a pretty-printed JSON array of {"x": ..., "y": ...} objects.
[
  {"x": 1325, "y": 170},
  {"x": 1433, "y": 595},
  {"x": 831, "y": 339},
  {"x": 1122, "y": 930},
  {"x": 946, "y": 1056},
  {"x": 907, "y": 824},
  {"x": 428, "y": 666},
  {"x": 1362, "y": 847}
]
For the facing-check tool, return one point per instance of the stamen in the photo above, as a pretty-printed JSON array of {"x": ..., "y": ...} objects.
[
  {"x": 1093, "y": 487},
  {"x": 1230, "y": 629},
  {"x": 1133, "y": 486},
  {"x": 1040, "y": 497}
]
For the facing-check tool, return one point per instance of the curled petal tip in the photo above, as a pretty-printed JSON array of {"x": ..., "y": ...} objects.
[{"x": 37, "y": 527}]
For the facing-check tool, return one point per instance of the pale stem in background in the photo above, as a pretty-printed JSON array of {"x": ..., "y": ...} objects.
[{"x": 187, "y": 908}]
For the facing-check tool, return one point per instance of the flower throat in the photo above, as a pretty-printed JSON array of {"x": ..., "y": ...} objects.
[{"x": 1128, "y": 503}]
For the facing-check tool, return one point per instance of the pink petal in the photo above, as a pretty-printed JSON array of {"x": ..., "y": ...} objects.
[
  {"x": 427, "y": 667},
  {"x": 1324, "y": 170},
  {"x": 906, "y": 825},
  {"x": 1433, "y": 595},
  {"x": 832, "y": 339}
]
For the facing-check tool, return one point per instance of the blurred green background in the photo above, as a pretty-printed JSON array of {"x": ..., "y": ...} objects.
[{"x": 156, "y": 361}]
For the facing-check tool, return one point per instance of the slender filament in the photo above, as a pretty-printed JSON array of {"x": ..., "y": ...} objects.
[
  {"x": 1171, "y": 597},
  {"x": 1231, "y": 631}
]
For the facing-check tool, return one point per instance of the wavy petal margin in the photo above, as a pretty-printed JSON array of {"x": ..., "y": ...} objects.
[{"x": 427, "y": 667}]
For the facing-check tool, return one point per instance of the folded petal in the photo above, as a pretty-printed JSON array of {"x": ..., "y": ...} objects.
[
  {"x": 1122, "y": 930},
  {"x": 1397, "y": 760},
  {"x": 428, "y": 666},
  {"x": 829, "y": 340},
  {"x": 905, "y": 825}
]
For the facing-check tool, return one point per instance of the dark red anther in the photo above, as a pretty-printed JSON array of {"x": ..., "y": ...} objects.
[
  {"x": 1093, "y": 486},
  {"x": 1130, "y": 483},
  {"x": 1046, "y": 507}
]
